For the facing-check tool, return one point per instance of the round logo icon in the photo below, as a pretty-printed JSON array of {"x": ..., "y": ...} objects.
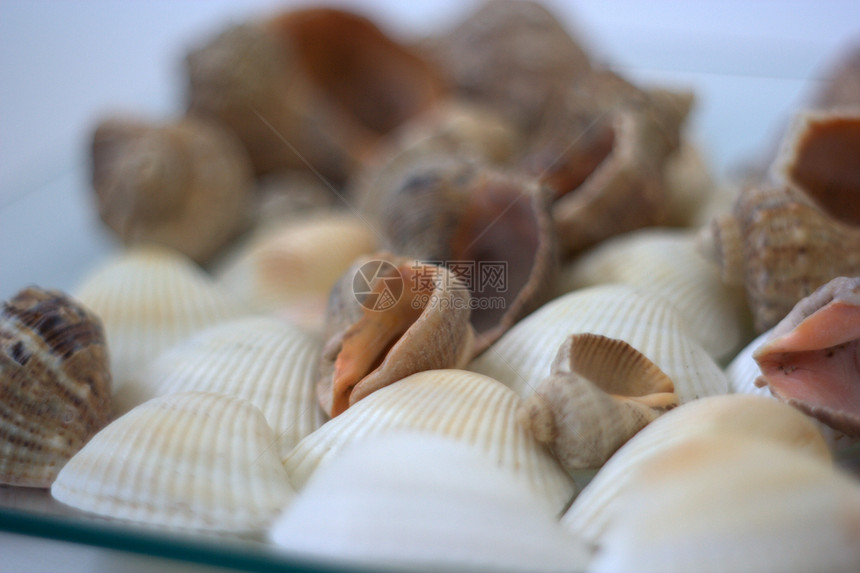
[{"x": 377, "y": 285}]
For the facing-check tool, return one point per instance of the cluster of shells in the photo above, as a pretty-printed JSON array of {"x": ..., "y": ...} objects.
[{"x": 471, "y": 303}]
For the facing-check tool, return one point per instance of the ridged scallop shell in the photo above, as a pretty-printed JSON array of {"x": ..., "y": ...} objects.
[
  {"x": 463, "y": 405},
  {"x": 523, "y": 356},
  {"x": 191, "y": 461},
  {"x": 263, "y": 360},
  {"x": 55, "y": 384},
  {"x": 667, "y": 262},
  {"x": 413, "y": 499},
  {"x": 734, "y": 504},
  {"x": 389, "y": 317},
  {"x": 150, "y": 298},
  {"x": 184, "y": 184},
  {"x": 750, "y": 417}
]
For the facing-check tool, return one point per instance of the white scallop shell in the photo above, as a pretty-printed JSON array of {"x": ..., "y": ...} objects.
[
  {"x": 419, "y": 500},
  {"x": 469, "y": 407},
  {"x": 523, "y": 356},
  {"x": 192, "y": 461},
  {"x": 666, "y": 262},
  {"x": 264, "y": 360},
  {"x": 753, "y": 417},
  {"x": 150, "y": 298}
]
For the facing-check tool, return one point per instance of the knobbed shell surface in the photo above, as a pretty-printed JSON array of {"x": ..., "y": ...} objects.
[
  {"x": 750, "y": 417},
  {"x": 600, "y": 393},
  {"x": 190, "y": 461},
  {"x": 390, "y": 317},
  {"x": 667, "y": 263},
  {"x": 184, "y": 184},
  {"x": 263, "y": 360},
  {"x": 412, "y": 499},
  {"x": 55, "y": 384},
  {"x": 719, "y": 503},
  {"x": 463, "y": 405},
  {"x": 150, "y": 298},
  {"x": 523, "y": 356}
]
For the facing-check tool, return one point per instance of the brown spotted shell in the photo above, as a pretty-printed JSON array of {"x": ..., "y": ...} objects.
[{"x": 55, "y": 384}]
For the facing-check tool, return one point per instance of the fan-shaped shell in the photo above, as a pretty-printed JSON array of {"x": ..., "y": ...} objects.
[
  {"x": 522, "y": 358},
  {"x": 412, "y": 499},
  {"x": 195, "y": 461},
  {"x": 150, "y": 298},
  {"x": 55, "y": 384},
  {"x": 463, "y": 405}
]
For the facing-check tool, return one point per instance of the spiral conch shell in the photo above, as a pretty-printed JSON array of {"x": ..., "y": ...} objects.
[
  {"x": 55, "y": 384},
  {"x": 390, "y": 317},
  {"x": 601, "y": 392},
  {"x": 784, "y": 241},
  {"x": 184, "y": 184}
]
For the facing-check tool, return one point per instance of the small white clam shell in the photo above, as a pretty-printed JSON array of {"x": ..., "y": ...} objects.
[
  {"x": 150, "y": 298},
  {"x": 463, "y": 405},
  {"x": 264, "y": 360},
  {"x": 410, "y": 499},
  {"x": 523, "y": 356},
  {"x": 192, "y": 461},
  {"x": 731, "y": 503}
]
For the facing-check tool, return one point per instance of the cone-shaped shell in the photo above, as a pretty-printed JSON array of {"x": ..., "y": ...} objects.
[
  {"x": 750, "y": 417},
  {"x": 55, "y": 384},
  {"x": 667, "y": 263},
  {"x": 263, "y": 360},
  {"x": 413, "y": 499},
  {"x": 185, "y": 184},
  {"x": 195, "y": 461},
  {"x": 389, "y": 317},
  {"x": 463, "y": 405},
  {"x": 150, "y": 298},
  {"x": 734, "y": 504},
  {"x": 601, "y": 392},
  {"x": 523, "y": 357}
]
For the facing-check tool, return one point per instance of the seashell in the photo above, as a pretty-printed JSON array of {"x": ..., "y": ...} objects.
[
  {"x": 600, "y": 393},
  {"x": 523, "y": 357},
  {"x": 263, "y": 360},
  {"x": 294, "y": 266},
  {"x": 840, "y": 85},
  {"x": 184, "y": 184},
  {"x": 150, "y": 298},
  {"x": 389, "y": 317},
  {"x": 667, "y": 263},
  {"x": 693, "y": 196},
  {"x": 784, "y": 241},
  {"x": 412, "y": 499},
  {"x": 734, "y": 504},
  {"x": 812, "y": 357},
  {"x": 279, "y": 83},
  {"x": 468, "y": 407},
  {"x": 54, "y": 384},
  {"x": 755, "y": 418},
  {"x": 510, "y": 56},
  {"x": 489, "y": 226},
  {"x": 191, "y": 461}
]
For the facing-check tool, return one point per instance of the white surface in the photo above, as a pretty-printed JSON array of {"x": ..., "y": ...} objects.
[{"x": 65, "y": 62}]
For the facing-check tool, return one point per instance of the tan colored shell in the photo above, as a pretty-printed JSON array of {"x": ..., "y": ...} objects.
[
  {"x": 468, "y": 407},
  {"x": 667, "y": 262},
  {"x": 840, "y": 85},
  {"x": 191, "y": 461},
  {"x": 184, "y": 184},
  {"x": 523, "y": 357},
  {"x": 692, "y": 192},
  {"x": 261, "y": 359},
  {"x": 750, "y": 417},
  {"x": 389, "y": 317},
  {"x": 55, "y": 384},
  {"x": 600, "y": 393},
  {"x": 730, "y": 503},
  {"x": 459, "y": 511},
  {"x": 150, "y": 298}
]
